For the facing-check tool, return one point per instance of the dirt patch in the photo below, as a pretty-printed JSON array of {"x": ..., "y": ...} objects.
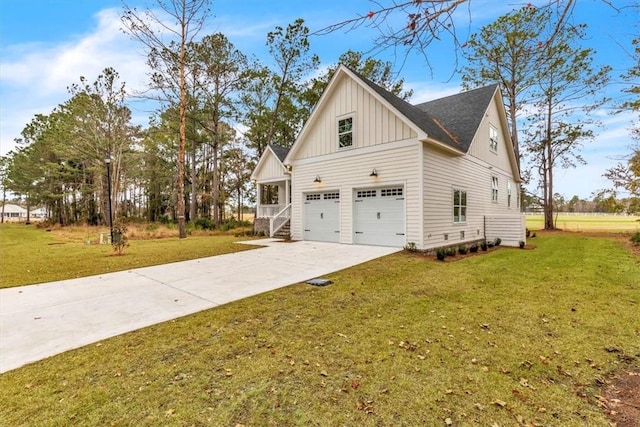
[{"x": 621, "y": 399}]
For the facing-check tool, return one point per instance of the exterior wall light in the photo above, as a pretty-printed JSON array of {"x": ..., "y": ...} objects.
[
  {"x": 374, "y": 172},
  {"x": 317, "y": 179}
]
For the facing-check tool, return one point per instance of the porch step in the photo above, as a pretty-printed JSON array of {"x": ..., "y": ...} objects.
[{"x": 284, "y": 232}]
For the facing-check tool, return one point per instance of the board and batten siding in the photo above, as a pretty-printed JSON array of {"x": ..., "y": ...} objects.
[
  {"x": 480, "y": 145},
  {"x": 271, "y": 169},
  {"x": 397, "y": 165},
  {"x": 373, "y": 123},
  {"x": 442, "y": 174}
]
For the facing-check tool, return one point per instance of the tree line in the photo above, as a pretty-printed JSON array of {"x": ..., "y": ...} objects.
[{"x": 192, "y": 162}]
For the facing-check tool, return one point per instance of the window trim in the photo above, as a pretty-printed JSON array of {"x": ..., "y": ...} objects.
[
  {"x": 351, "y": 131},
  {"x": 509, "y": 194},
  {"x": 462, "y": 219},
  {"x": 493, "y": 142},
  {"x": 495, "y": 183}
]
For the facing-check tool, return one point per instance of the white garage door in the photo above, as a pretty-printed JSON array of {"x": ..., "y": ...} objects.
[
  {"x": 379, "y": 217},
  {"x": 322, "y": 216}
]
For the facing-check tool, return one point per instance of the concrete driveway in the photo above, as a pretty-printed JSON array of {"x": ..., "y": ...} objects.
[{"x": 39, "y": 321}]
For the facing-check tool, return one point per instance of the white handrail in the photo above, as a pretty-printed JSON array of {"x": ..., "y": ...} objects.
[{"x": 278, "y": 220}]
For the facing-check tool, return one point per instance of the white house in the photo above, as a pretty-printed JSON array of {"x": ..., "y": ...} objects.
[
  {"x": 273, "y": 185},
  {"x": 370, "y": 168},
  {"x": 15, "y": 213}
]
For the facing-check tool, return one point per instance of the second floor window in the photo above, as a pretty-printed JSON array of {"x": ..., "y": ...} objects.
[
  {"x": 493, "y": 138},
  {"x": 345, "y": 132}
]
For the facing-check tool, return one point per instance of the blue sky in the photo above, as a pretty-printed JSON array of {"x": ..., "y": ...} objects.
[{"x": 46, "y": 45}]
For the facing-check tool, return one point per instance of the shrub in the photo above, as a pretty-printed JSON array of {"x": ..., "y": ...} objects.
[
  {"x": 490, "y": 245},
  {"x": 204, "y": 224},
  {"x": 528, "y": 232},
  {"x": 498, "y": 241},
  {"x": 483, "y": 246},
  {"x": 521, "y": 244},
  {"x": 635, "y": 238},
  {"x": 462, "y": 250},
  {"x": 451, "y": 251},
  {"x": 119, "y": 241},
  {"x": 440, "y": 254},
  {"x": 473, "y": 248},
  {"x": 411, "y": 247}
]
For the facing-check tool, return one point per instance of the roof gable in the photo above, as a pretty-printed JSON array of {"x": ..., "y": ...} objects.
[
  {"x": 273, "y": 154},
  {"x": 461, "y": 114},
  {"x": 451, "y": 122},
  {"x": 423, "y": 120}
]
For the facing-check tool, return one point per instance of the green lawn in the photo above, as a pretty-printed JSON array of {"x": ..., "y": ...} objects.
[
  {"x": 610, "y": 223},
  {"x": 511, "y": 337},
  {"x": 31, "y": 255}
]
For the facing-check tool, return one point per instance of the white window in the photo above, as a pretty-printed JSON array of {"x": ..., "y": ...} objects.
[
  {"x": 366, "y": 193},
  {"x": 387, "y": 192},
  {"x": 508, "y": 194},
  {"x": 493, "y": 139},
  {"x": 330, "y": 196},
  {"x": 345, "y": 132},
  {"x": 459, "y": 206},
  {"x": 494, "y": 188},
  {"x": 313, "y": 196}
]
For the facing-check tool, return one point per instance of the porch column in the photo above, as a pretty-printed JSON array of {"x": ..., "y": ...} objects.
[
  {"x": 258, "y": 198},
  {"x": 287, "y": 191}
]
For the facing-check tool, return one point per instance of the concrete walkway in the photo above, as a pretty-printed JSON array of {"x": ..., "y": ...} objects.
[{"x": 39, "y": 321}]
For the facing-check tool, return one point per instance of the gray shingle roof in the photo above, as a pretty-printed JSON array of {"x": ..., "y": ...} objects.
[
  {"x": 452, "y": 120},
  {"x": 281, "y": 152},
  {"x": 461, "y": 113}
]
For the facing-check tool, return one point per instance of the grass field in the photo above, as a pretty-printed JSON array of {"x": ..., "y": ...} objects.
[
  {"x": 32, "y": 255},
  {"x": 510, "y": 337},
  {"x": 608, "y": 223}
]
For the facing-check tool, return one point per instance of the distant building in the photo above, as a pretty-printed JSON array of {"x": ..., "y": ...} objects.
[{"x": 16, "y": 213}]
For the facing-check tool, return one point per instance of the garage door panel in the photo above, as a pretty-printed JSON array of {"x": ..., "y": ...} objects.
[
  {"x": 322, "y": 217},
  {"x": 379, "y": 217}
]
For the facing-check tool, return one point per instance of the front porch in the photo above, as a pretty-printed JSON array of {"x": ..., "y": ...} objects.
[{"x": 273, "y": 212}]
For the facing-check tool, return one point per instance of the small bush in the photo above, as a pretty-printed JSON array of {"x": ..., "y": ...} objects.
[
  {"x": 490, "y": 245},
  {"x": 152, "y": 226},
  {"x": 473, "y": 248},
  {"x": 533, "y": 234},
  {"x": 635, "y": 238},
  {"x": 462, "y": 250},
  {"x": 484, "y": 246},
  {"x": 521, "y": 244},
  {"x": 498, "y": 241},
  {"x": 119, "y": 240},
  {"x": 451, "y": 252},
  {"x": 441, "y": 254},
  {"x": 204, "y": 224},
  {"x": 411, "y": 247},
  {"x": 528, "y": 232}
]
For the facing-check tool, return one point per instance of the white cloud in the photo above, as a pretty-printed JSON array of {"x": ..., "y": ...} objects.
[{"x": 35, "y": 76}]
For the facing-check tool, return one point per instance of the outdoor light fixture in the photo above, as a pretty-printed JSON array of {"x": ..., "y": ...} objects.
[
  {"x": 317, "y": 179},
  {"x": 374, "y": 172},
  {"x": 107, "y": 161}
]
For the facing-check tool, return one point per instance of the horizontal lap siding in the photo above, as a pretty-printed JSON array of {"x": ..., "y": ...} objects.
[
  {"x": 442, "y": 174},
  {"x": 510, "y": 229},
  {"x": 395, "y": 166}
]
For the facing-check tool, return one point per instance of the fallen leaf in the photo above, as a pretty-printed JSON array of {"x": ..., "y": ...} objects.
[
  {"x": 500, "y": 403},
  {"x": 355, "y": 384},
  {"x": 170, "y": 412},
  {"x": 324, "y": 373},
  {"x": 448, "y": 421}
]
